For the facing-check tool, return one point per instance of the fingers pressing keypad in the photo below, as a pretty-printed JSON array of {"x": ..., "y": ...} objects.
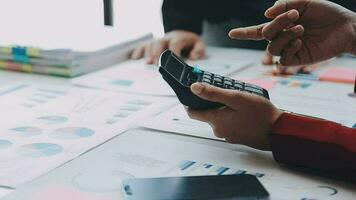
[{"x": 228, "y": 83}]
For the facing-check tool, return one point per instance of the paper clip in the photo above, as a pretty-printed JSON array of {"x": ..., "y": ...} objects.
[{"x": 355, "y": 86}]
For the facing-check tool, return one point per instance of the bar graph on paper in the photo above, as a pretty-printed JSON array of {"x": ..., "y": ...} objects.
[{"x": 194, "y": 168}]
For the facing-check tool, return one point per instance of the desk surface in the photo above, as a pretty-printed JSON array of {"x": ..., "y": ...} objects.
[{"x": 247, "y": 55}]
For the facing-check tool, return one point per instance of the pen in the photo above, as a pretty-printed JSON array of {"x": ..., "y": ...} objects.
[
  {"x": 7, "y": 187},
  {"x": 353, "y": 95},
  {"x": 355, "y": 86}
]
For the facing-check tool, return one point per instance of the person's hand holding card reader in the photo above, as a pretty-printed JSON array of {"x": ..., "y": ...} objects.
[
  {"x": 226, "y": 187},
  {"x": 180, "y": 76}
]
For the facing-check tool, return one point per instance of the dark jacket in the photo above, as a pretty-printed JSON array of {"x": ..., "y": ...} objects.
[
  {"x": 220, "y": 17},
  {"x": 189, "y": 14}
]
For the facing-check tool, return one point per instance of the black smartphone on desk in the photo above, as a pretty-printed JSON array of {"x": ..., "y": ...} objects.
[
  {"x": 226, "y": 187},
  {"x": 180, "y": 76}
]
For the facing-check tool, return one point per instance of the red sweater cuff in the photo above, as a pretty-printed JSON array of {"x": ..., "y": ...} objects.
[
  {"x": 314, "y": 129},
  {"x": 313, "y": 143}
]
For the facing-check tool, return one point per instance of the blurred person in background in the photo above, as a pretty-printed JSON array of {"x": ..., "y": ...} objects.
[{"x": 191, "y": 25}]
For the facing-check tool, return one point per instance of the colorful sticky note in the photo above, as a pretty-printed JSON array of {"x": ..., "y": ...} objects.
[
  {"x": 19, "y": 51},
  {"x": 264, "y": 83},
  {"x": 34, "y": 52},
  {"x": 339, "y": 74},
  {"x": 2, "y": 65},
  {"x": 6, "y": 50},
  {"x": 27, "y": 68},
  {"x": 21, "y": 58}
]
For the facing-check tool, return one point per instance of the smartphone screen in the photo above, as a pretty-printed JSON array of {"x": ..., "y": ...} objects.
[{"x": 227, "y": 187}]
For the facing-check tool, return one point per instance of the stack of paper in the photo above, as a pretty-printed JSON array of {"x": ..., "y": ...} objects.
[
  {"x": 67, "y": 42},
  {"x": 64, "y": 62}
]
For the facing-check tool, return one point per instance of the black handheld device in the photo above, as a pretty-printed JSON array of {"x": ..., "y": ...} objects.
[
  {"x": 180, "y": 76},
  {"x": 226, "y": 187}
]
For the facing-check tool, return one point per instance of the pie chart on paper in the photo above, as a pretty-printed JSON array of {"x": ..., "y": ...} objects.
[
  {"x": 52, "y": 119},
  {"x": 38, "y": 150},
  {"x": 26, "y": 131},
  {"x": 72, "y": 133},
  {"x": 4, "y": 144}
]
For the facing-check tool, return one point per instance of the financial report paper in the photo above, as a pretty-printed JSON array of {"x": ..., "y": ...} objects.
[
  {"x": 47, "y": 126},
  {"x": 141, "y": 153}
]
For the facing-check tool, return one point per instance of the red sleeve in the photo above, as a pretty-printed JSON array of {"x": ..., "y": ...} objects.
[{"x": 322, "y": 145}]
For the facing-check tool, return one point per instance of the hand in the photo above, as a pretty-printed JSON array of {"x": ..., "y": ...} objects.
[
  {"x": 176, "y": 41},
  {"x": 304, "y": 31},
  {"x": 246, "y": 118},
  {"x": 270, "y": 60}
]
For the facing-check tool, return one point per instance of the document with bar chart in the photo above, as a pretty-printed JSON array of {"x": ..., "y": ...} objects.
[
  {"x": 52, "y": 125},
  {"x": 176, "y": 120},
  {"x": 300, "y": 96},
  {"x": 98, "y": 174}
]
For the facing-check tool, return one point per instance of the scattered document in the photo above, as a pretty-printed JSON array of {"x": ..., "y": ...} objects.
[
  {"x": 139, "y": 153},
  {"x": 331, "y": 101},
  {"x": 137, "y": 77},
  {"x": 129, "y": 76},
  {"x": 4, "y": 192},
  {"x": 52, "y": 125},
  {"x": 176, "y": 120}
]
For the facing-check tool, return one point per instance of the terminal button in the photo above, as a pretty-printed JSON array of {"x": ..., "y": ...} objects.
[
  {"x": 207, "y": 80},
  {"x": 239, "y": 85},
  {"x": 197, "y": 71}
]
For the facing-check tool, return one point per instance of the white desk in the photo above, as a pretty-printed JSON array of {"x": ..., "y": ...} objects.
[
  {"x": 9, "y": 77},
  {"x": 248, "y": 55}
]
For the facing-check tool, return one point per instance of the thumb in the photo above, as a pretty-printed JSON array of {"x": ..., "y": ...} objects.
[
  {"x": 215, "y": 94},
  {"x": 198, "y": 50}
]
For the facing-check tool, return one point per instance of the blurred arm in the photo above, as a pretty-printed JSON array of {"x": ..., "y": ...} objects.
[
  {"x": 181, "y": 15},
  {"x": 317, "y": 144}
]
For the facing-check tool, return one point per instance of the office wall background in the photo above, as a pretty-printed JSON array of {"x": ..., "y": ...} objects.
[{"x": 130, "y": 15}]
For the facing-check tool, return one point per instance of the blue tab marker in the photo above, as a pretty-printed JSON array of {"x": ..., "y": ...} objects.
[
  {"x": 20, "y": 54},
  {"x": 19, "y": 51},
  {"x": 21, "y": 59}
]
